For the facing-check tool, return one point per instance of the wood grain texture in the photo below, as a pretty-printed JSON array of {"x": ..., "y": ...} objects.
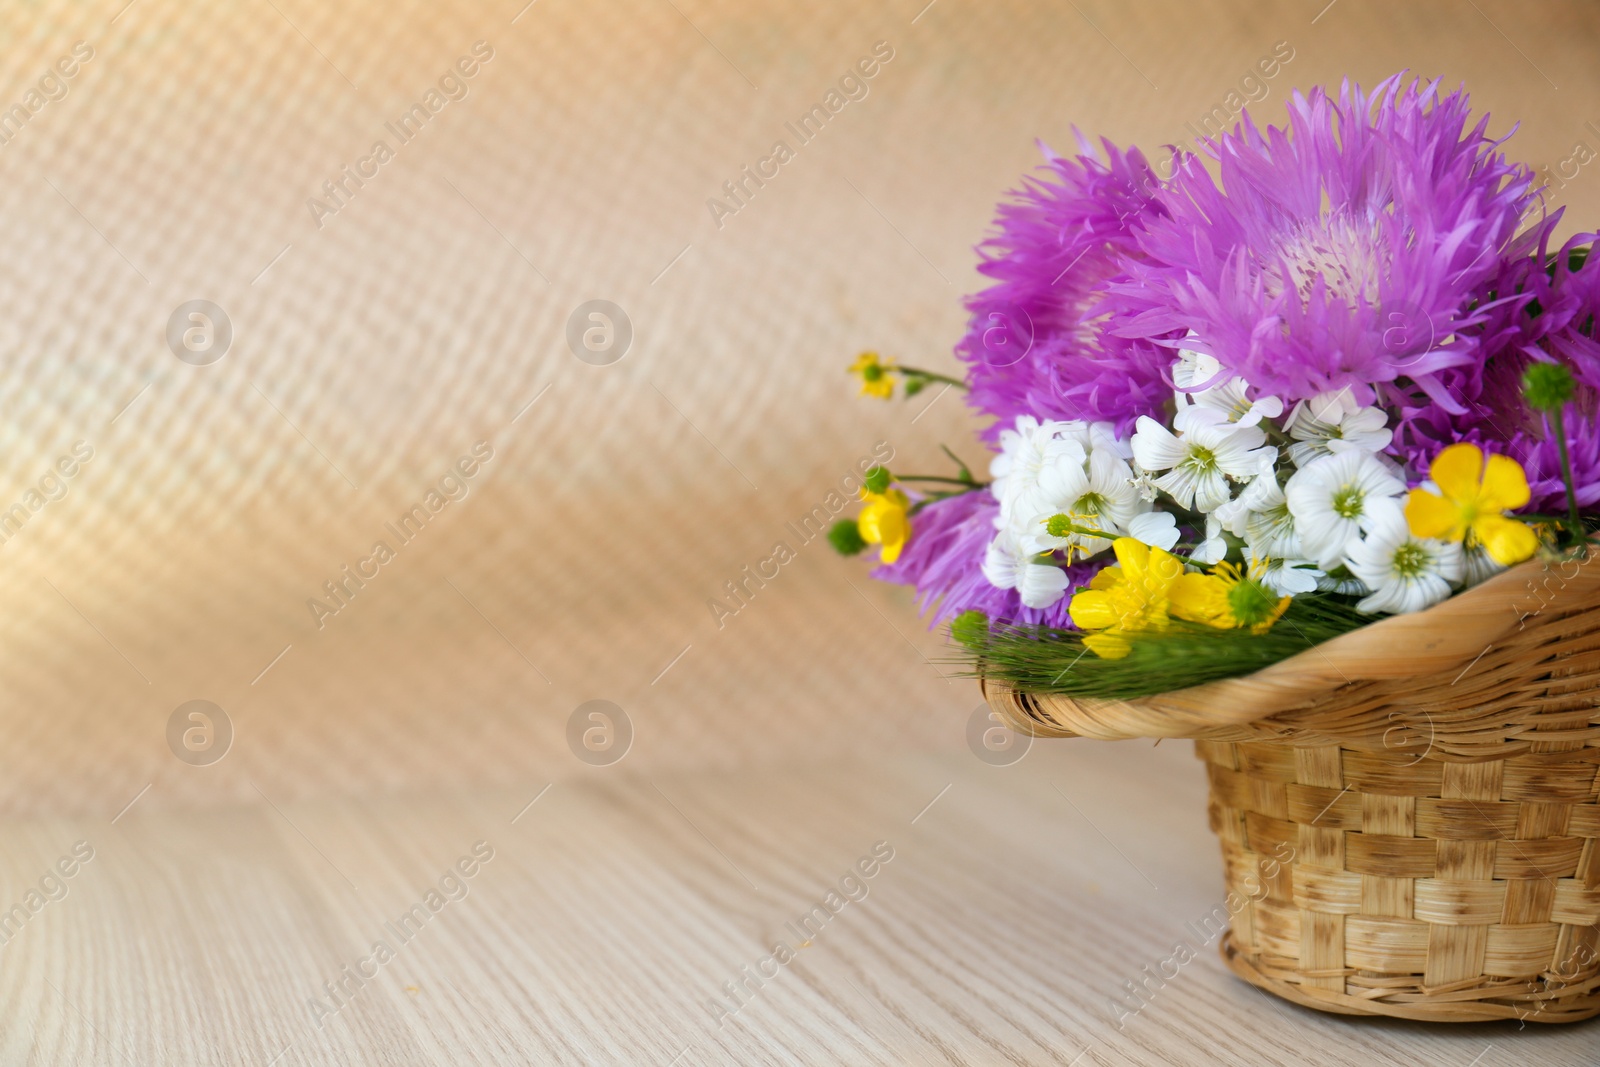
[
  {"x": 415, "y": 322},
  {"x": 1002, "y": 931},
  {"x": 369, "y": 353}
]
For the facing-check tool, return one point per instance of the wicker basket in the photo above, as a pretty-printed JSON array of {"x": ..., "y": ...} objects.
[{"x": 1408, "y": 813}]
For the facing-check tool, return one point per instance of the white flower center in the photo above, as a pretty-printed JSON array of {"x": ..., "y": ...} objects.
[
  {"x": 1347, "y": 254},
  {"x": 1201, "y": 459},
  {"x": 1411, "y": 560},
  {"x": 1348, "y": 501}
]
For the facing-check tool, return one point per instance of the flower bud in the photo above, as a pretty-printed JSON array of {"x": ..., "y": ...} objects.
[
  {"x": 970, "y": 628},
  {"x": 1547, "y": 386},
  {"x": 845, "y": 537}
]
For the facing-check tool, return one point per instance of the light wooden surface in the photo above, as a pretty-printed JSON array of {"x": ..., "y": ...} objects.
[
  {"x": 371, "y": 352},
  {"x": 1017, "y": 902}
]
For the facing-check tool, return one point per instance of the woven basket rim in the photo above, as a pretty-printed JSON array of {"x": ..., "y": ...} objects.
[{"x": 1448, "y": 636}]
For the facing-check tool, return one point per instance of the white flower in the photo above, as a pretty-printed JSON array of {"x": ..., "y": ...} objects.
[
  {"x": 1477, "y": 565},
  {"x": 1200, "y": 461},
  {"x": 1158, "y": 528},
  {"x": 1231, "y": 397},
  {"x": 1405, "y": 573},
  {"x": 1291, "y": 577},
  {"x": 1268, "y": 525},
  {"x": 1214, "y": 549},
  {"x": 1097, "y": 435},
  {"x": 1144, "y": 485},
  {"x": 1333, "y": 422},
  {"x": 1009, "y": 565},
  {"x": 1025, "y": 454},
  {"x": 1098, "y": 496},
  {"x": 1258, "y": 495},
  {"x": 1335, "y": 498},
  {"x": 1194, "y": 368},
  {"x": 1343, "y": 586}
]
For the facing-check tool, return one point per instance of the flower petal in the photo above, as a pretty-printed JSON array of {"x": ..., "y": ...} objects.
[
  {"x": 1154, "y": 446},
  {"x": 1107, "y": 646},
  {"x": 1506, "y": 540},
  {"x": 1457, "y": 470},
  {"x": 1092, "y": 609},
  {"x": 1133, "y": 556},
  {"x": 1199, "y": 598},
  {"x": 1107, "y": 578},
  {"x": 1431, "y": 515},
  {"x": 1041, "y": 584},
  {"x": 1505, "y": 486},
  {"x": 1158, "y": 528}
]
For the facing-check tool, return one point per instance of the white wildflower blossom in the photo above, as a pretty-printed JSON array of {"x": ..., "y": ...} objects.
[
  {"x": 1008, "y": 564},
  {"x": 1290, "y": 577},
  {"x": 1335, "y": 498},
  {"x": 1228, "y": 396},
  {"x": 1214, "y": 549},
  {"x": 1333, "y": 422},
  {"x": 1200, "y": 461},
  {"x": 1098, "y": 495},
  {"x": 1026, "y": 452},
  {"x": 1157, "y": 528},
  {"x": 1405, "y": 573},
  {"x": 1477, "y": 565}
]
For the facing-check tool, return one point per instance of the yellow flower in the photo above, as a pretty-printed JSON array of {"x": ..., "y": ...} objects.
[
  {"x": 886, "y": 521},
  {"x": 1229, "y": 597},
  {"x": 1126, "y": 598},
  {"x": 874, "y": 375},
  {"x": 1477, "y": 491}
]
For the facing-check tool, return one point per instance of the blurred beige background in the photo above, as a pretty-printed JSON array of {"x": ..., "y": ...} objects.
[{"x": 371, "y": 351}]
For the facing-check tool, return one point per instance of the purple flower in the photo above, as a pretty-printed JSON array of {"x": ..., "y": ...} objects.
[
  {"x": 1342, "y": 250},
  {"x": 1521, "y": 306},
  {"x": 944, "y": 562},
  {"x": 1542, "y": 460},
  {"x": 1033, "y": 347},
  {"x": 1536, "y": 308}
]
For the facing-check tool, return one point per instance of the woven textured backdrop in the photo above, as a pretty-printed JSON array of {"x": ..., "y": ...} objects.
[{"x": 375, "y": 344}]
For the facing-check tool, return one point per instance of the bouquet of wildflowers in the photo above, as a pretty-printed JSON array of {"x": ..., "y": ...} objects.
[{"x": 1326, "y": 372}]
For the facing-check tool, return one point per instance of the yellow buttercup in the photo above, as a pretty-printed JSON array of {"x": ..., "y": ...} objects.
[
  {"x": 874, "y": 375},
  {"x": 885, "y": 520},
  {"x": 1475, "y": 491},
  {"x": 1130, "y": 596}
]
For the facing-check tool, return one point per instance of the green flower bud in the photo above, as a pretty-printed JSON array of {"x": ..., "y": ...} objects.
[
  {"x": 970, "y": 628},
  {"x": 845, "y": 537},
  {"x": 1252, "y": 603},
  {"x": 877, "y": 479},
  {"x": 915, "y": 385},
  {"x": 1547, "y": 386}
]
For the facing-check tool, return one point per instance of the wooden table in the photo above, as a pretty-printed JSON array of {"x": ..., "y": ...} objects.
[{"x": 632, "y": 920}]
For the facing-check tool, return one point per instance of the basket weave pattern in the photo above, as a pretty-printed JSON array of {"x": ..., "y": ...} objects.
[{"x": 1409, "y": 813}]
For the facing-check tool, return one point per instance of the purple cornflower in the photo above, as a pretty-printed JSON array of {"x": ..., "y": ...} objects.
[
  {"x": 1342, "y": 250},
  {"x": 1541, "y": 458},
  {"x": 1033, "y": 346},
  {"x": 1535, "y": 308}
]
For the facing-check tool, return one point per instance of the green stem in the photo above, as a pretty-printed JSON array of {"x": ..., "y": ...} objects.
[
  {"x": 1559, "y": 426},
  {"x": 968, "y": 482},
  {"x": 934, "y": 498},
  {"x": 962, "y": 469},
  {"x": 932, "y": 376},
  {"x": 1535, "y": 516}
]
